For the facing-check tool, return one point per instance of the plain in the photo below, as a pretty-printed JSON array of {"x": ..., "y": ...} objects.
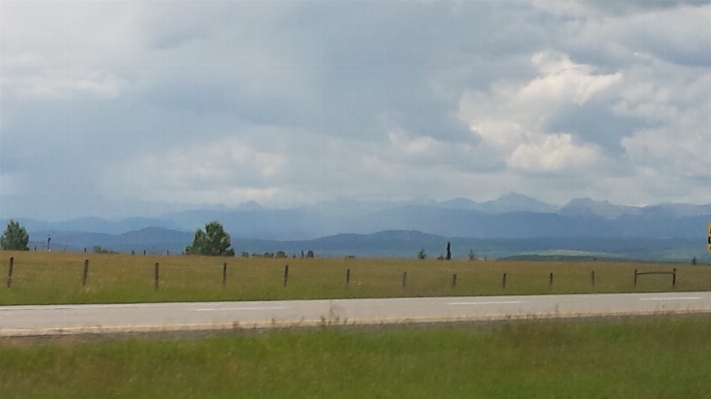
[{"x": 56, "y": 278}]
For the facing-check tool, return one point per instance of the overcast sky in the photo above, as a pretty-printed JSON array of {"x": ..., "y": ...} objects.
[{"x": 128, "y": 108}]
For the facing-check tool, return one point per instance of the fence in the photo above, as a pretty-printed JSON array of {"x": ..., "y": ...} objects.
[
  {"x": 403, "y": 283},
  {"x": 672, "y": 273}
]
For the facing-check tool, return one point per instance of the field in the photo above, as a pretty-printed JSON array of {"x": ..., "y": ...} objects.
[
  {"x": 55, "y": 278},
  {"x": 660, "y": 357}
]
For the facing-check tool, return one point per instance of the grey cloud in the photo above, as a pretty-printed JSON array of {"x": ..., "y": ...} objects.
[
  {"x": 623, "y": 8},
  {"x": 692, "y": 57},
  {"x": 321, "y": 86},
  {"x": 595, "y": 122},
  {"x": 387, "y": 65},
  {"x": 368, "y": 67},
  {"x": 671, "y": 35}
]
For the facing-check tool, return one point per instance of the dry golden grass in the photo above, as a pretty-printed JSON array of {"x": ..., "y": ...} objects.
[{"x": 45, "y": 278}]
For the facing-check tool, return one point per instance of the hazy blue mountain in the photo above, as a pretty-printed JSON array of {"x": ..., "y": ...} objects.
[
  {"x": 587, "y": 206},
  {"x": 249, "y": 206},
  {"x": 94, "y": 225},
  {"x": 150, "y": 239},
  {"x": 585, "y": 218},
  {"x": 397, "y": 243},
  {"x": 512, "y": 216},
  {"x": 258, "y": 223},
  {"x": 511, "y": 202},
  {"x": 343, "y": 216},
  {"x": 514, "y": 202},
  {"x": 458, "y": 203},
  {"x": 677, "y": 210}
]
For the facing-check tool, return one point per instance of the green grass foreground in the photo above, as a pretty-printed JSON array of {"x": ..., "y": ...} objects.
[
  {"x": 55, "y": 278},
  {"x": 660, "y": 357}
]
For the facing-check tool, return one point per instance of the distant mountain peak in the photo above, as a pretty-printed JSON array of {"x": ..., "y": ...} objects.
[
  {"x": 588, "y": 206},
  {"x": 514, "y": 195},
  {"x": 515, "y": 202},
  {"x": 250, "y": 205}
]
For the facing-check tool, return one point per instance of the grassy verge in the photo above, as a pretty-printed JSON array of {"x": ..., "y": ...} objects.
[
  {"x": 45, "y": 278},
  {"x": 664, "y": 357}
]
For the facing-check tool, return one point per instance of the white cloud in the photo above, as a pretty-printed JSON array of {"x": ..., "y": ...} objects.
[
  {"x": 562, "y": 82},
  {"x": 409, "y": 146},
  {"x": 643, "y": 100},
  {"x": 59, "y": 50},
  {"x": 552, "y": 152},
  {"x": 676, "y": 100},
  {"x": 228, "y": 171},
  {"x": 671, "y": 151},
  {"x": 513, "y": 116}
]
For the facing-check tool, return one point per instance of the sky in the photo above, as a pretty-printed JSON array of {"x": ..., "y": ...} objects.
[{"x": 131, "y": 108}]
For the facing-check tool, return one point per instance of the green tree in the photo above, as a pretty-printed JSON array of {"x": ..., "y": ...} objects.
[
  {"x": 15, "y": 237},
  {"x": 99, "y": 250},
  {"x": 213, "y": 241},
  {"x": 421, "y": 255}
]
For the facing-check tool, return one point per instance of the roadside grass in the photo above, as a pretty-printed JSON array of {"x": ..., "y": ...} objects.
[
  {"x": 55, "y": 278},
  {"x": 652, "y": 357}
]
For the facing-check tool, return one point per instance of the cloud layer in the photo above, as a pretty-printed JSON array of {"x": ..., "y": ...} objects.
[{"x": 122, "y": 108}]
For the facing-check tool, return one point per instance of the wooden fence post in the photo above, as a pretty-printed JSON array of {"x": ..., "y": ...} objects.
[
  {"x": 592, "y": 278},
  {"x": 454, "y": 281},
  {"x": 9, "y": 272},
  {"x": 635, "y": 277},
  {"x": 224, "y": 274},
  {"x": 348, "y": 278},
  {"x": 286, "y": 275},
  {"x": 86, "y": 272},
  {"x": 404, "y": 279},
  {"x": 155, "y": 276},
  {"x": 674, "y": 278},
  {"x": 503, "y": 281},
  {"x": 550, "y": 281}
]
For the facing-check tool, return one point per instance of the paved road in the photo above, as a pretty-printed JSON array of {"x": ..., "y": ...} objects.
[{"x": 72, "y": 319}]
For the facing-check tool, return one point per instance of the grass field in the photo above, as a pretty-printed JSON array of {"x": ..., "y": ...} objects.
[
  {"x": 46, "y": 278},
  {"x": 660, "y": 357}
]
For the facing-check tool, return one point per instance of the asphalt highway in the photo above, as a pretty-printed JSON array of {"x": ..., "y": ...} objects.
[{"x": 117, "y": 318}]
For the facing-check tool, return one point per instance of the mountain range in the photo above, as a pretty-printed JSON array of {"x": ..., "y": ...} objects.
[
  {"x": 393, "y": 243},
  {"x": 515, "y": 220}
]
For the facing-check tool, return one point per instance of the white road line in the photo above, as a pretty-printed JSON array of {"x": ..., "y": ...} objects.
[
  {"x": 94, "y": 306},
  {"x": 242, "y": 308},
  {"x": 679, "y": 298},
  {"x": 486, "y": 303}
]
